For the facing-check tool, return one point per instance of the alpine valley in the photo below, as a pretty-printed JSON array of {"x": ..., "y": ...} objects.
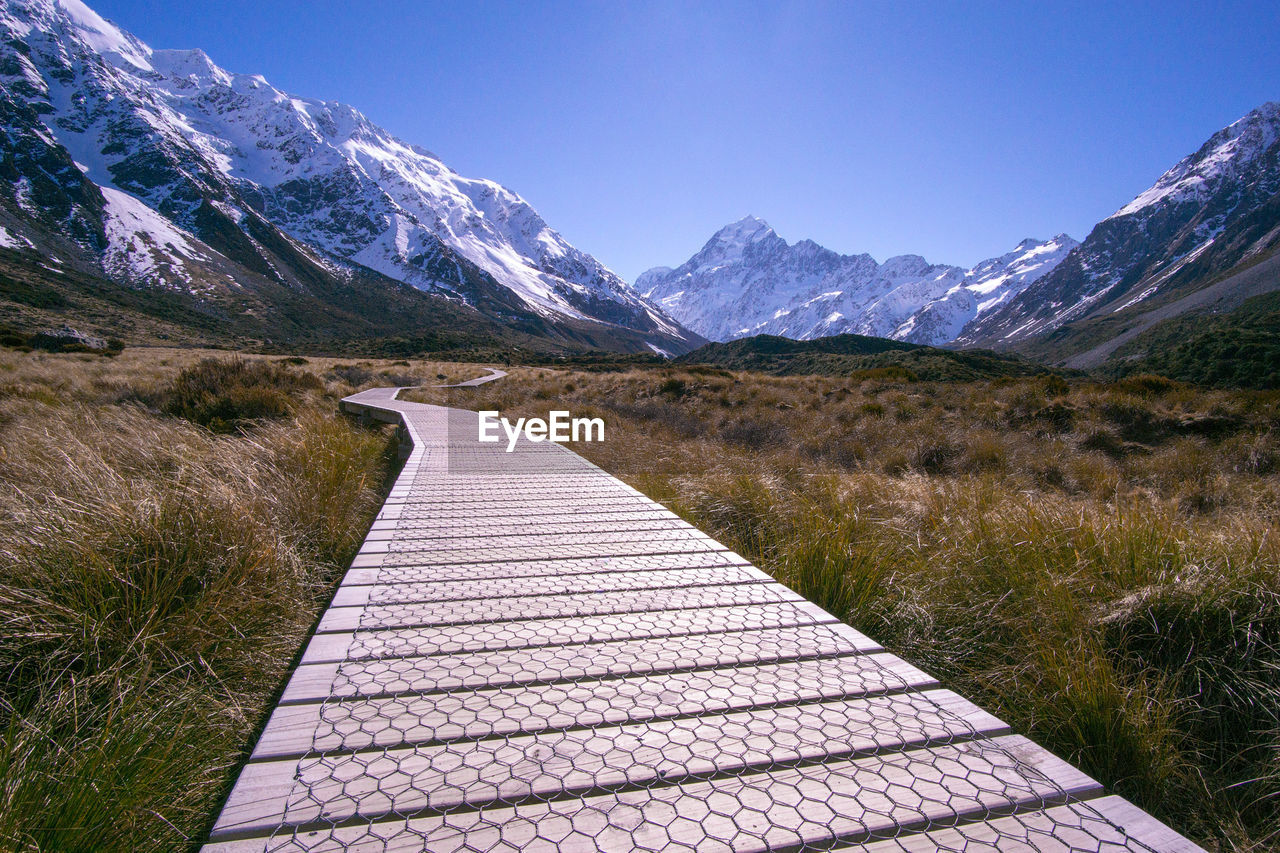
[
  {"x": 152, "y": 194},
  {"x": 1202, "y": 241}
]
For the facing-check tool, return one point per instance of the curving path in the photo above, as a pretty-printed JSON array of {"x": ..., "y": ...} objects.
[
  {"x": 528, "y": 654},
  {"x": 494, "y": 373}
]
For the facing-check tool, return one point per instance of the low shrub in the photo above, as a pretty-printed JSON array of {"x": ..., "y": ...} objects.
[
  {"x": 354, "y": 375},
  {"x": 891, "y": 373},
  {"x": 404, "y": 380},
  {"x": 1146, "y": 385},
  {"x": 1136, "y": 420},
  {"x": 753, "y": 433},
  {"x": 934, "y": 455},
  {"x": 13, "y": 339},
  {"x": 673, "y": 387},
  {"x": 226, "y": 395},
  {"x": 1104, "y": 441}
]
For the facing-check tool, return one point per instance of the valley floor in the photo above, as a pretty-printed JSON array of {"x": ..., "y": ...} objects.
[{"x": 1095, "y": 563}]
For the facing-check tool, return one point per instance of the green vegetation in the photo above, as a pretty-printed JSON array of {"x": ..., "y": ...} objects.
[
  {"x": 1240, "y": 349},
  {"x": 859, "y": 357},
  {"x": 1094, "y": 562},
  {"x": 158, "y": 575},
  {"x": 226, "y": 395},
  {"x": 365, "y": 315}
]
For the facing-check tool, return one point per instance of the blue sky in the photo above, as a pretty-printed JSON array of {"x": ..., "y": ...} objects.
[{"x": 950, "y": 130}]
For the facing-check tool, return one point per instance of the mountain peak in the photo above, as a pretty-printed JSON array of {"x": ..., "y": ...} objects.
[
  {"x": 731, "y": 243},
  {"x": 748, "y": 229},
  {"x": 1270, "y": 111},
  {"x": 166, "y": 127},
  {"x": 193, "y": 64},
  {"x": 1197, "y": 176},
  {"x": 747, "y": 280},
  {"x": 1056, "y": 241},
  {"x": 104, "y": 37}
]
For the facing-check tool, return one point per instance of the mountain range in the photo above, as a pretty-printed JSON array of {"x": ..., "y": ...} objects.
[
  {"x": 153, "y": 195},
  {"x": 748, "y": 281},
  {"x": 159, "y": 171},
  {"x": 1202, "y": 240}
]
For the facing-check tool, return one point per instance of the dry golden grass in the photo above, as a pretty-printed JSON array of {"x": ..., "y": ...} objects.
[
  {"x": 157, "y": 578},
  {"x": 1098, "y": 564}
]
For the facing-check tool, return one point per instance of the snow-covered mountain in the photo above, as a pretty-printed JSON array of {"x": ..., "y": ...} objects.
[
  {"x": 986, "y": 287},
  {"x": 186, "y": 153},
  {"x": 747, "y": 280},
  {"x": 1216, "y": 209},
  {"x": 1171, "y": 250}
]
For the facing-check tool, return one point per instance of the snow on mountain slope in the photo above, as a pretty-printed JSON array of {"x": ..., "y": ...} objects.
[
  {"x": 174, "y": 130},
  {"x": 747, "y": 280},
  {"x": 143, "y": 245},
  {"x": 1223, "y": 157},
  {"x": 1165, "y": 239},
  {"x": 986, "y": 287}
]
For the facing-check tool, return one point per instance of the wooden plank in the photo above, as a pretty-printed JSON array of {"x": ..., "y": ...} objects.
[
  {"x": 473, "y": 670},
  {"x": 560, "y": 479},
  {"x": 559, "y": 489},
  {"x": 410, "y": 516},
  {"x": 569, "y": 516},
  {"x": 568, "y": 496},
  {"x": 532, "y": 552},
  {"x": 537, "y": 568},
  {"x": 548, "y": 606},
  {"x": 849, "y": 801},
  {"x": 525, "y": 527},
  {"x": 524, "y": 509},
  {"x": 295, "y": 730},
  {"x": 407, "y": 593},
  {"x": 538, "y": 633},
  {"x": 609, "y": 535},
  {"x": 1138, "y": 826},
  {"x": 582, "y": 762},
  {"x": 575, "y": 495}
]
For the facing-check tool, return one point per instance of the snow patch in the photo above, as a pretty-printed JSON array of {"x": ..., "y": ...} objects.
[
  {"x": 143, "y": 246},
  {"x": 10, "y": 241}
]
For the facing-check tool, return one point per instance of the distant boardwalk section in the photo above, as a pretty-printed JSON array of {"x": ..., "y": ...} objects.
[{"x": 528, "y": 654}]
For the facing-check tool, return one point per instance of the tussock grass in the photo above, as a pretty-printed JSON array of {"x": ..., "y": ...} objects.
[
  {"x": 158, "y": 575},
  {"x": 1096, "y": 563},
  {"x": 225, "y": 394}
]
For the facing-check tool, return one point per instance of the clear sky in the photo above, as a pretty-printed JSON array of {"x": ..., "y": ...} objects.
[{"x": 637, "y": 129}]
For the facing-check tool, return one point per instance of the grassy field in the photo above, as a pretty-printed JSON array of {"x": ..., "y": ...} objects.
[
  {"x": 1096, "y": 563},
  {"x": 170, "y": 528}
]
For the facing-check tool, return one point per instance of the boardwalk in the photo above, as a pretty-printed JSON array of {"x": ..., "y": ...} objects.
[{"x": 528, "y": 654}]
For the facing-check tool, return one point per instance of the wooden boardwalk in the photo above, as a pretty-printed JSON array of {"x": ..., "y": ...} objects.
[{"x": 528, "y": 654}]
